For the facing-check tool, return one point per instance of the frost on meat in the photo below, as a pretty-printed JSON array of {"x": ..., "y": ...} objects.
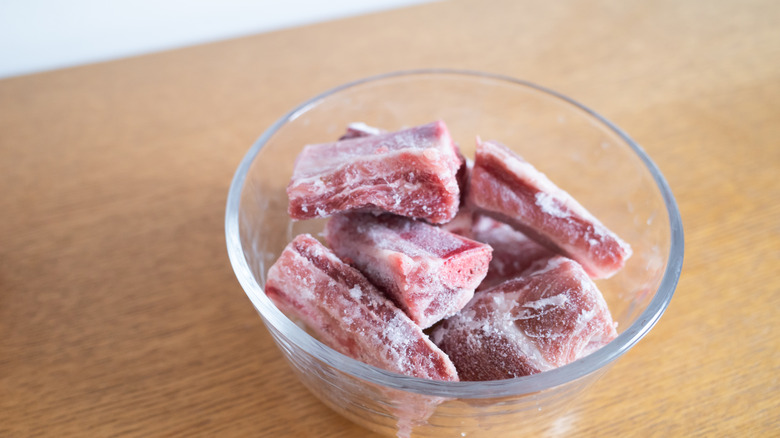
[
  {"x": 505, "y": 186},
  {"x": 350, "y": 314},
  {"x": 411, "y": 173},
  {"x": 534, "y": 323},
  {"x": 427, "y": 271},
  {"x": 513, "y": 251}
]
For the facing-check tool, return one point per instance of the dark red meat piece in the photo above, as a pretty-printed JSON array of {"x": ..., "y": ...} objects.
[
  {"x": 349, "y": 314},
  {"x": 511, "y": 190},
  {"x": 534, "y": 323},
  {"x": 360, "y": 129},
  {"x": 427, "y": 271},
  {"x": 513, "y": 251},
  {"x": 461, "y": 224}
]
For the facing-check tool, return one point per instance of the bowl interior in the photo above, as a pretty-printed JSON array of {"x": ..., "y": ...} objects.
[{"x": 579, "y": 151}]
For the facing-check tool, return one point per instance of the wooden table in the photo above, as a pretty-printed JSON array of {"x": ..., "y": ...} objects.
[{"x": 120, "y": 314}]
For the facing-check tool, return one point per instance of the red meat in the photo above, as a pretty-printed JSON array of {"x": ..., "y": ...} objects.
[
  {"x": 511, "y": 190},
  {"x": 513, "y": 251},
  {"x": 427, "y": 271},
  {"x": 411, "y": 173},
  {"x": 360, "y": 129},
  {"x": 349, "y": 314},
  {"x": 534, "y": 323}
]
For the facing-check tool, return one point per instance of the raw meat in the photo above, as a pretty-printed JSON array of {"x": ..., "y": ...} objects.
[
  {"x": 349, "y": 314},
  {"x": 461, "y": 224},
  {"x": 411, "y": 173},
  {"x": 508, "y": 188},
  {"x": 360, "y": 129},
  {"x": 428, "y": 272},
  {"x": 463, "y": 175},
  {"x": 534, "y": 323},
  {"x": 513, "y": 251}
]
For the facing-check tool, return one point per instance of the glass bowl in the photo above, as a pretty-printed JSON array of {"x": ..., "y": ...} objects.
[{"x": 579, "y": 150}]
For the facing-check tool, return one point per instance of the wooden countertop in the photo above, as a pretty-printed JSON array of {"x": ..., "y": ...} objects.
[{"x": 119, "y": 311}]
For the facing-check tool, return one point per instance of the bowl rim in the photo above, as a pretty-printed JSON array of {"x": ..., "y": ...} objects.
[{"x": 592, "y": 363}]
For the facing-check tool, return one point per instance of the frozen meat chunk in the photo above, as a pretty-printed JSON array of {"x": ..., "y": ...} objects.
[
  {"x": 542, "y": 320},
  {"x": 463, "y": 175},
  {"x": 461, "y": 224},
  {"x": 360, "y": 129},
  {"x": 349, "y": 314},
  {"x": 511, "y": 190},
  {"x": 428, "y": 272},
  {"x": 411, "y": 173},
  {"x": 513, "y": 251}
]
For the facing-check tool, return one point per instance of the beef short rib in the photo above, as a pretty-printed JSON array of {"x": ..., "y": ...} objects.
[
  {"x": 412, "y": 173},
  {"x": 427, "y": 271},
  {"x": 533, "y": 323},
  {"x": 511, "y": 190},
  {"x": 513, "y": 251},
  {"x": 360, "y": 129},
  {"x": 349, "y": 314}
]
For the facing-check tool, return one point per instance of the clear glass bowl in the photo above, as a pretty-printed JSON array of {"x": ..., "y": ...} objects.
[{"x": 579, "y": 150}]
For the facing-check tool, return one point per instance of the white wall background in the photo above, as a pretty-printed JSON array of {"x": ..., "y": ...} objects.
[{"x": 38, "y": 35}]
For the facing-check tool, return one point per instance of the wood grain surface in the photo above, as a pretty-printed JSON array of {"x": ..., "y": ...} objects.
[{"x": 119, "y": 311}]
